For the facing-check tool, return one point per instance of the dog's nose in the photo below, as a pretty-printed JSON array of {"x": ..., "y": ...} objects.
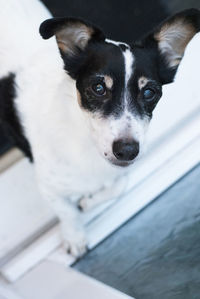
[{"x": 125, "y": 150}]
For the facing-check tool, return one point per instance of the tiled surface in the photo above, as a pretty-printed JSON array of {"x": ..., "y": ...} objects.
[{"x": 156, "y": 254}]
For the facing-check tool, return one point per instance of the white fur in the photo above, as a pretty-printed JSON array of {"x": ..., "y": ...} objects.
[
  {"x": 129, "y": 60},
  {"x": 116, "y": 43},
  {"x": 136, "y": 127},
  {"x": 106, "y": 131}
]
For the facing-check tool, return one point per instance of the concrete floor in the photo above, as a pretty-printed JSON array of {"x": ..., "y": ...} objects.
[{"x": 157, "y": 253}]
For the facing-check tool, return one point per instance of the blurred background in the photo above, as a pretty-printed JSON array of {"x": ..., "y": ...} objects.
[{"x": 120, "y": 20}]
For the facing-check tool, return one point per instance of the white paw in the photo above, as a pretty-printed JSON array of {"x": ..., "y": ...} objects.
[
  {"x": 76, "y": 243},
  {"x": 86, "y": 203}
]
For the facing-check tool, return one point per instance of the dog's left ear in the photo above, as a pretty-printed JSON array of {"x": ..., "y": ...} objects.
[
  {"x": 171, "y": 38},
  {"x": 73, "y": 36}
]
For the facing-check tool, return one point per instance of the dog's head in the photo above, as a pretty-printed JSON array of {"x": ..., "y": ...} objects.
[{"x": 119, "y": 85}]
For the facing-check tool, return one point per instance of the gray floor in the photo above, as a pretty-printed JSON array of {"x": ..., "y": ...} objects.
[{"x": 156, "y": 255}]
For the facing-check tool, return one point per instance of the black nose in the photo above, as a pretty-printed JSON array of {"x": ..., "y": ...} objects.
[{"x": 125, "y": 150}]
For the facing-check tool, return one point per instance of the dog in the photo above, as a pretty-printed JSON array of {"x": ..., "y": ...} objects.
[{"x": 79, "y": 105}]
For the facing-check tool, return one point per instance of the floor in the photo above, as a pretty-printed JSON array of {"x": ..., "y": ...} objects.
[{"x": 156, "y": 254}]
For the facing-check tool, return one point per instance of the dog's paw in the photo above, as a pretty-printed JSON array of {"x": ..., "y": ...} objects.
[
  {"x": 76, "y": 244},
  {"x": 85, "y": 204}
]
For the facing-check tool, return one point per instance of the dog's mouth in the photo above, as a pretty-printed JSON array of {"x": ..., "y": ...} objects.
[{"x": 121, "y": 163}]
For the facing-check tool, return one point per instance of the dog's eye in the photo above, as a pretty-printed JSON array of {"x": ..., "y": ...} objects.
[
  {"x": 149, "y": 94},
  {"x": 99, "y": 89}
]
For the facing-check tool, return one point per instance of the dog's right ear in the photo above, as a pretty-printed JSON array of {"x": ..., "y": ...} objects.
[
  {"x": 73, "y": 36},
  {"x": 171, "y": 38}
]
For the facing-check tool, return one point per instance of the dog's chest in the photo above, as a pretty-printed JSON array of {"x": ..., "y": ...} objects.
[
  {"x": 66, "y": 159},
  {"x": 73, "y": 176}
]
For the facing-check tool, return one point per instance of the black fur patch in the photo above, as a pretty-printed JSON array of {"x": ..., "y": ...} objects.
[
  {"x": 8, "y": 115},
  {"x": 108, "y": 59},
  {"x": 150, "y": 60},
  {"x": 102, "y": 59},
  {"x": 165, "y": 73},
  {"x": 123, "y": 47},
  {"x": 73, "y": 62}
]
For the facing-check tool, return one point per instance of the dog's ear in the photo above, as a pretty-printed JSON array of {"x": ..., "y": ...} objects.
[
  {"x": 73, "y": 36},
  {"x": 171, "y": 38}
]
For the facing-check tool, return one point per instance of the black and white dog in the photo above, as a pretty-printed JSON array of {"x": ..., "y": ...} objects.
[{"x": 82, "y": 115}]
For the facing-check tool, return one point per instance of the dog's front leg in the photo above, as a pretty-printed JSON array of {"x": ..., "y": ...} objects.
[
  {"x": 109, "y": 193},
  {"x": 72, "y": 230}
]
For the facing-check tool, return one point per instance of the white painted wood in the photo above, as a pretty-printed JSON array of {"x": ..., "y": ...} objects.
[
  {"x": 7, "y": 292},
  {"x": 54, "y": 281},
  {"x": 32, "y": 255},
  {"x": 9, "y": 158},
  {"x": 22, "y": 211}
]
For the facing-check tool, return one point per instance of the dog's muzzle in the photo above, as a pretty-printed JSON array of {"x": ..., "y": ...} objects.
[{"x": 125, "y": 150}]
